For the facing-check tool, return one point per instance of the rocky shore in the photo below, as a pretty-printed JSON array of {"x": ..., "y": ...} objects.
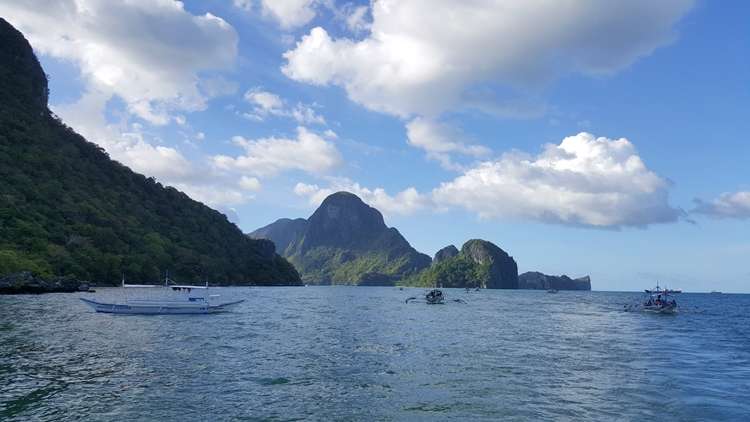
[{"x": 26, "y": 282}]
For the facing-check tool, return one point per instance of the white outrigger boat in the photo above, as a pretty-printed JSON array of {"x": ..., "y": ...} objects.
[
  {"x": 172, "y": 299},
  {"x": 660, "y": 300}
]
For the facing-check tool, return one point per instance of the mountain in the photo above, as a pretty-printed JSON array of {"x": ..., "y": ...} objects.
[
  {"x": 345, "y": 241},
  {"x": 537, "y": 280},
  {"x": 479, "y": 264},
  {"x": 67, "y": 209}
]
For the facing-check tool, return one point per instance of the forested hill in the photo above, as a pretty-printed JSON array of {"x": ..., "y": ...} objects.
[{"x": 66, "y": 208}]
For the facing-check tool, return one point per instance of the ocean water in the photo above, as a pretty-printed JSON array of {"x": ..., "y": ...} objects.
[{"x": 356, "y": 353}]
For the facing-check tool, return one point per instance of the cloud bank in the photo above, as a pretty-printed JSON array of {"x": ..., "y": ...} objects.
[{"x": 428, "y": 57}]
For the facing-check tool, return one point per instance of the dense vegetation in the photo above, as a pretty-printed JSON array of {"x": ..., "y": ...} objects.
[
  {"x": 457, "y": 271},
  {"x": 66, "y": 208}
]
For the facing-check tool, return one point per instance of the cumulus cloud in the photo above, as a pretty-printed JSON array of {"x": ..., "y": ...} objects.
[
  {"x": 250, "y": 183},
  {"x": 405, "y": 202},
  {"x": 269, "y": 104},
  {"x": 440, "y": 140},
  {"x": 147, "y": 52},
  {"x": 585, "y": 180},
  {"x": 427, "y": 57},
  {"x": 727, "y": 205},
  {"x": 268, "y": 156}
]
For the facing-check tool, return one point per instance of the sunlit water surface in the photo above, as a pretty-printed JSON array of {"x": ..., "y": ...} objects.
[{"x": 348, "y": 353}]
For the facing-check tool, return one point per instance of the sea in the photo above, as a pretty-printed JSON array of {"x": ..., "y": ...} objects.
[{"x": 363, "y": 353}]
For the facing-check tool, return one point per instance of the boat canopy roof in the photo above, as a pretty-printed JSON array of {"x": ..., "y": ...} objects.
[{"x": 662, "y": 292}]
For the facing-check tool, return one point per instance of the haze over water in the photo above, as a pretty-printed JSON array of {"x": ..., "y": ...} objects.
[{"x": 342, "y": 353}]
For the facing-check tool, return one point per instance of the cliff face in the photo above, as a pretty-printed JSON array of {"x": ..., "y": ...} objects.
[
  {"x": 345, "y": 241},
  {"x": 503, "y": 271},
  {"x": 67, "y": 209},
  {"x": 539, "y": 281}
]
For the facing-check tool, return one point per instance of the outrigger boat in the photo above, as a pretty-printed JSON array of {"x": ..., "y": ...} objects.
[
  {"x": 431, "y": 297},
  {"x": 660, "y": 300},
  {"x": 172, "y": 299}
]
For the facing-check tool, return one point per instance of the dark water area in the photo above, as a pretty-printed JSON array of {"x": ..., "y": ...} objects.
[{"x": 355, "y": 353}]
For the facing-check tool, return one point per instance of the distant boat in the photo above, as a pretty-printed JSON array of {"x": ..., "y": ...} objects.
[
  {"x": 659, "y": 300},
  {"x": 434, "y": 297},
  {"x": 431, "y": 297},
  {"x": 171, "y": 299},
  {"x": 715, "y": 292},
  {"x": 552, "y": 291}
]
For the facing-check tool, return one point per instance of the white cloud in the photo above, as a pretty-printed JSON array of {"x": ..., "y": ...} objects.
[
  {"x": 147, "y": 52},
  {"x": 250, "y": 183},
  {"x": 304, "y": 114},
  {"x": 727, "y": 205},
  {"x": 269, "y": 156},
  {"x": 584, "y": 180},
  {"x": 267, "y": 103},
  {"x": 405, "y": 202},
  {"x": 356, "y": 18},
  {"x": 290, "y": 13},
  {"x": 440, "y": 141},
  {"x": 428, "y": 57}
]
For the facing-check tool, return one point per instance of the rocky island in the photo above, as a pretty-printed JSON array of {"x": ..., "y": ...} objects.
[
  {"x": 479, "y": 263},
  {"x": 539, "y": 281}
]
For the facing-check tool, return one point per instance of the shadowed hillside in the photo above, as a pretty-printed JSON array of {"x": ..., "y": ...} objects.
[{"x": 66, "y": 208}]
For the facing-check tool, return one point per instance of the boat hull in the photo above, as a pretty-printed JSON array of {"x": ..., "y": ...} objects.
[
  {"x": 157, "y": 308},
  {"x": 660, "y": 309}
]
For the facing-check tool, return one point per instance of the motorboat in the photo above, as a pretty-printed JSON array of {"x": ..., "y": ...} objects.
[
  {"x": 552, "y": 291},
  {"x": 660, "y": 301},
  {"x": 165, "y": 299}
]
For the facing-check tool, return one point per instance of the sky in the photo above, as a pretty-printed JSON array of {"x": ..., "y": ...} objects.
[{"x": 600, "y": 138}]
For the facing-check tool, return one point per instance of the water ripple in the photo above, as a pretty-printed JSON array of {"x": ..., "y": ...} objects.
[{"x": 330, "y": 353}]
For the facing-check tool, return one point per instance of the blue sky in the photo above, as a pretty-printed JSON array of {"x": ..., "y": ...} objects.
[{"x": 607, "y": 139}]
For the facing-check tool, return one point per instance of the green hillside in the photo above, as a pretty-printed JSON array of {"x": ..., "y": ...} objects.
[{"x": 66, "y": 208}]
